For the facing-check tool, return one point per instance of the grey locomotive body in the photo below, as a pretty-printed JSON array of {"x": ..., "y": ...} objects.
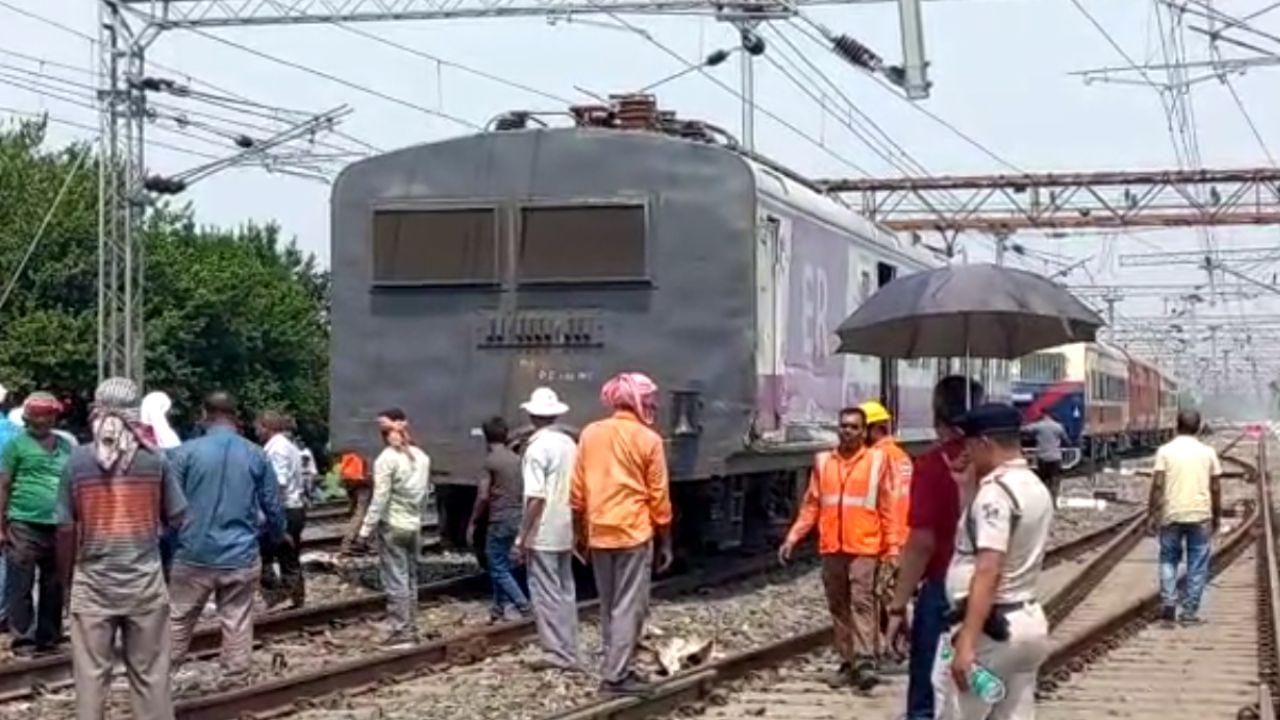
[{"x": 470, "y": 271}]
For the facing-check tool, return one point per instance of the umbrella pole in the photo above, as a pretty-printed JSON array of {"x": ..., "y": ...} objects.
[{"x": 968, "y": 376}]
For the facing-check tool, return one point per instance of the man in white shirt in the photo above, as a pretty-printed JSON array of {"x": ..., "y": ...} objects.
[
  {"x": 991, "y": 584},
  {"x": 546, "y": 534},
  {"x": 286, "y": 461},
  {"x": 1186, "y": 505},
  {"x": 401, "y": 491}
]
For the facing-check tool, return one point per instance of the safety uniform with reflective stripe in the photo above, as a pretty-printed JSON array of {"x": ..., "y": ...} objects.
[
  {"x": 896, "y": 480},
  {"x": 848, "y": 500}
]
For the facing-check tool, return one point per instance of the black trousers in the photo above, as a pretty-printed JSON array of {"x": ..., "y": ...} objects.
[
  {"x": 31, "y": 561},
  {"x": 1049, "y": 471},
  {"x": 288, "y": 558}
]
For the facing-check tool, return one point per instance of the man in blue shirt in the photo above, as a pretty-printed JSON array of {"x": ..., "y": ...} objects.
[{"x": 229, "y": 484}]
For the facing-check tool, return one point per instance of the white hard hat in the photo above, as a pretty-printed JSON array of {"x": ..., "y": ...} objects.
[{"x": 543, "y": 402}]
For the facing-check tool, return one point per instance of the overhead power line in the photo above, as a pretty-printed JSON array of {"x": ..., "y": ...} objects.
[
  {"x": 885, "y": 146},
  {"x": 455, "y": 65},
  {"x": 336, "y": 79},
  {"x": 269, "y": 112},
  {"x": 729, "y": 89},
  {"x": 1249, "y": 120},
  {"x": 44, "y": 225},
  {"x": 58, "y": 120},
  {"x": 918, "y": 107}
]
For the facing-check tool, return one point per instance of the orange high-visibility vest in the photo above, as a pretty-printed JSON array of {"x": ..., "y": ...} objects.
[
  {"x": 352, "y": 469},
  {"x": 897, "y": 466},
  {"x": 848, "y": 501}
]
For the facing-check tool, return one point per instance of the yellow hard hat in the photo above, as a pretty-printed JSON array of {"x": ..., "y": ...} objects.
[{"x": 875, "y": 412}]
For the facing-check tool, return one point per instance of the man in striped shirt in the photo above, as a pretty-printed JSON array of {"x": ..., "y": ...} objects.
[{"x": 114, "y": 496}]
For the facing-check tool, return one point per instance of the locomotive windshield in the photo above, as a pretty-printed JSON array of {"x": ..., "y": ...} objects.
[
  {"x": 435, "y": 247},
  {"x": 588, "y": 243}
]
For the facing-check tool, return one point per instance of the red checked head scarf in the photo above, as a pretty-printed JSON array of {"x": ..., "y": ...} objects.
[{"x": 631, "y": 391}]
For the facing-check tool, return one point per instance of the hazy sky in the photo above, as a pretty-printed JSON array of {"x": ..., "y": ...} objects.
[{"x": 1000, "y": 70}]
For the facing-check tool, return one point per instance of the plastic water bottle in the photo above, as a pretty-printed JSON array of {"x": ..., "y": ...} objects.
[{"x": 983, "y": 683}]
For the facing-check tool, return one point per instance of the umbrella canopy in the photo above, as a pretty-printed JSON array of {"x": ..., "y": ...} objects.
[{"x": 967, "y": 310}]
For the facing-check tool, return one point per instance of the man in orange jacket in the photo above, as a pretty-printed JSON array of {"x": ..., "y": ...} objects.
[
  {"x": 847, "y": 502},
  {"x": 894, "y": 467}
]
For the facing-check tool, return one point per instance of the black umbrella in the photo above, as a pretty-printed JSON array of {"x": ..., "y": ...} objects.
[{"x": 981, "y": 310}]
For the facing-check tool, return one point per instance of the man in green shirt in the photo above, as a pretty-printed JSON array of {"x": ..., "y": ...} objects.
[{"x": 30, "y": 473}]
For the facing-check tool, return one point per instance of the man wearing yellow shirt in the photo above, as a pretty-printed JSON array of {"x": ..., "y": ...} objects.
[{"x": 1186, "y": 506}]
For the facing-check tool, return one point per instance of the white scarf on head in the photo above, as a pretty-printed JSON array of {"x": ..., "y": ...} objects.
[
  {"x": 114, "y": 441},
  {"x": 154, "y": 414}
]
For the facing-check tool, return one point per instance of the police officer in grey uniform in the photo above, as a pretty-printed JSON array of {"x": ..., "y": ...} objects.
[{"x": 998, "y": 623}]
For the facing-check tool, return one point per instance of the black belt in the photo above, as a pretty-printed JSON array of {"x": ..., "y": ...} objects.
[{"x": 996, "y": 626}]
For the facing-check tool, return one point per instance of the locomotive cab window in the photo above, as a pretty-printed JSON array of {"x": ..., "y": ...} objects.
[
  {"x": 582, "y": 244},
  {"x": 456, "y": 246}
]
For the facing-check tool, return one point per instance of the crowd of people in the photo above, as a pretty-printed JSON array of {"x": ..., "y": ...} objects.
[
  {"x": 135, "y": 532},
  {"x": 132, "y": 533},
  {"x": 955, "y": 539}
]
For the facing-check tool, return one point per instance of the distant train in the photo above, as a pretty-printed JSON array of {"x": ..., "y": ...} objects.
[
  {"x": 1108, "y": 401},
  {"x": 470, "y": 271}
]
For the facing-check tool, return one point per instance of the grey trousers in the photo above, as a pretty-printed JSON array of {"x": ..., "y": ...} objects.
[
  {"x": 398, "y": 568},
  {"x": 189, "y": 589},
  {"x": 555, "y": 607},
  {"x": 144, "y": 638},
  {"x": 622, "y": 579}
]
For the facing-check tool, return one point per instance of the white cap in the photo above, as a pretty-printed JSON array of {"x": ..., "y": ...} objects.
[{"x": 543, "y": 402}]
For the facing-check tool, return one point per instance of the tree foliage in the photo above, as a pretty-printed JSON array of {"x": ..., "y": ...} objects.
[{"x": 240, "y": 310}]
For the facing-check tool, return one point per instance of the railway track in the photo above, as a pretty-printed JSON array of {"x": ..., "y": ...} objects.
[
  {"x": 472, "y": 674},
  {"x": 1108, "y": 660},
  {"x": 326, "y": 651}
]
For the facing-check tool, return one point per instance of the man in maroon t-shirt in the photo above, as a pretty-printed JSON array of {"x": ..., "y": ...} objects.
[{"x": 935, "y": 510}]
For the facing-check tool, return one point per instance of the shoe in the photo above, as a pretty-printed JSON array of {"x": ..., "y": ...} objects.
[
  {"x": 398, "y": 641},
  {"x": 840, "y": 677},
  {"x": 864, "y": 677},
  {"x": 1190, "y": 620},
  {"x": 892, "y": 667},
  {"x": 233, "y": 679},
  {"x": 549, "y": 665},
  {"x": 1168, "y": 616},
  {"x": 25, "y": 652},
  {"x": 631, "y": 685}
]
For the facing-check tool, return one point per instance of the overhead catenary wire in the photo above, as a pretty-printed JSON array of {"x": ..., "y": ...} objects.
[
  {"x": 635, "y": 29},
  {"x": 452, "y": 64},
  {"x": 335, "y": 79},
  {"x": 876, "y": 145},
  {"x": 269, "y": 111},
  {"x": 58, "y": 120},
  {"x": 44, "y": 225},
  {"x": 1253, "y": 128},
  {"x": 86, "y": 102},
  {"x": 917, "y": 107}
]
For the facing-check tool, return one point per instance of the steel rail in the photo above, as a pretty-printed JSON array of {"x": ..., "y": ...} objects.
[
  {"x": 23, "y": 678},
  {"x": 1077, "y": 653},
  {"x": 668, "y": 695},
  {"x": 283, "y": 695},
  {"x": 1269, "y": 602}
]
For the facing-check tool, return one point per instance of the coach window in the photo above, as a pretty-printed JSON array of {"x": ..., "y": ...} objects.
[
  {"x": 582, "y": 244},
  {"x": 456, "y": 246}
]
